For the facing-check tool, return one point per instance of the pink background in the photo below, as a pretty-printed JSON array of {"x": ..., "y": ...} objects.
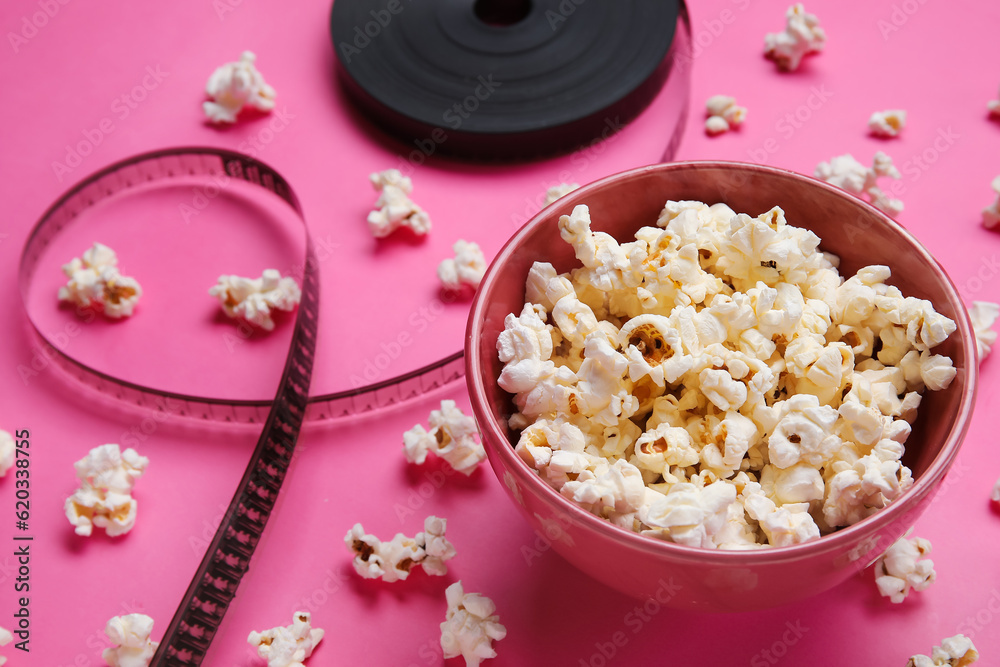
[{"x": 66, "y": 80}]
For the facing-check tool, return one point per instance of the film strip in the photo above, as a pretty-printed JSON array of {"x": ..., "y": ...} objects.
[
  {"x": 188, "y": 637},
  {"x": 210, "y": 164},
  {"x": 190, "y": 633}
]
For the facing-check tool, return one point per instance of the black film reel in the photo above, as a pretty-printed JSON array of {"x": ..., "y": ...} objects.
[{"x": 503, "y": 79}]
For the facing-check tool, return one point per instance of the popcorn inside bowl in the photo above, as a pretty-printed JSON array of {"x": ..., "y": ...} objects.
[{"x": 715, "y": 381}]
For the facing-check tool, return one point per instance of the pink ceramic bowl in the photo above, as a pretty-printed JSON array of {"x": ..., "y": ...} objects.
[{"x": 703, "y": 579}]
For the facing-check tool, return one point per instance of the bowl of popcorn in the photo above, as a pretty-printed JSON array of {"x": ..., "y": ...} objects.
[{"x": 722, "y": 385}]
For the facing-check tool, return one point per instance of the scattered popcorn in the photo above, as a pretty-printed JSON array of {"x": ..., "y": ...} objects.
[
  {"x": 234, "y": 86},
  {"x": 716, "y": 382},
  {"x": 471, "y": 627},
  {"x": 887, "y": 123},
  {"x": 801, "y": 37},
  {"x": 904, "y": 567},
  {"x": 995, "y": 494},
  {"x": 723, "y": 113},
  {"x": 957, "y": 651},
  {"x": 452, "y": 437},
  {"x": 436, "y": 547},
  {"x": 467, "y": 268},
  {"x": 104, "y": 498},
  {"x": 8, "y": 451},
  {"x": 290, "y": 645},
  {"x": 5, "y": 638},
  {"x": 133, "y": 647},
  {"x": 393, "y": 560},
  {"x": 254, "y": 299},
  {"x": 394, "y": 209},
  {"x": 559, "y": 191},
  {"x": 983, "y": 314},
  {"x": 847, "y": 173},
  {"x": 994, "y": 108},
  {"x": 94, "y": 280},
  {"x": 991, "y": 214},
  {"x": 716, "y": 125}
]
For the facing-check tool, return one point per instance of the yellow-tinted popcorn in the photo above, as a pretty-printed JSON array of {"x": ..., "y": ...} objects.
[
  {"x": 558, "y": 191},
  {"x": 888, "y": 123},
  {"x": 452, "y": 437},
  {"x": 394, "y": 208},
  {"x": 104, "y": 499},
  {"x": 393, "y": 560},
  {"x": 290, "y": 645},
  {"x": 983, "y": 315},
  {"x": 8, "y": 451},
  {"x": 721, "y": 362},
  {"x": 95, "y": 281},
  {"x": 234, "y": 86},
  {"x": 957, "y": 651},
  {"x": 254, "y": 300},
  {"x": 904, "y": 567},
  {"x": 722, "y": 114},
  {"x": 470, "y": 627},
  {"x": 130, "y": 634},
  {"x": 802, "y": 36},
  {"x": 847, "y": 173},
  {"x": 466, "y": 268}
]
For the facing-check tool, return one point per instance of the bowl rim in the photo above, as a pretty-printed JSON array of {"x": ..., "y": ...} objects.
[{"x": 841, "y": 540}]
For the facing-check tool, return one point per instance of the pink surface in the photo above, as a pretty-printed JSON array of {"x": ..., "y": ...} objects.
[{"x": 128, "y": 77}]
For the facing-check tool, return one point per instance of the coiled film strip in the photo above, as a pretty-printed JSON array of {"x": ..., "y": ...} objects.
[
  {"x": 210, "y": 163},
  {"x": 214, "y": 585},
  {"x": 189, "y": 634}
]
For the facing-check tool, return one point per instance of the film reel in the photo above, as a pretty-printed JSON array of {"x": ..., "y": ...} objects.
[{"x": 503, "y": 79}]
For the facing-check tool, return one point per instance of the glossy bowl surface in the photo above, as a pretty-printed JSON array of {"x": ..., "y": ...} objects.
[{"x": 694, "y": 578}]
